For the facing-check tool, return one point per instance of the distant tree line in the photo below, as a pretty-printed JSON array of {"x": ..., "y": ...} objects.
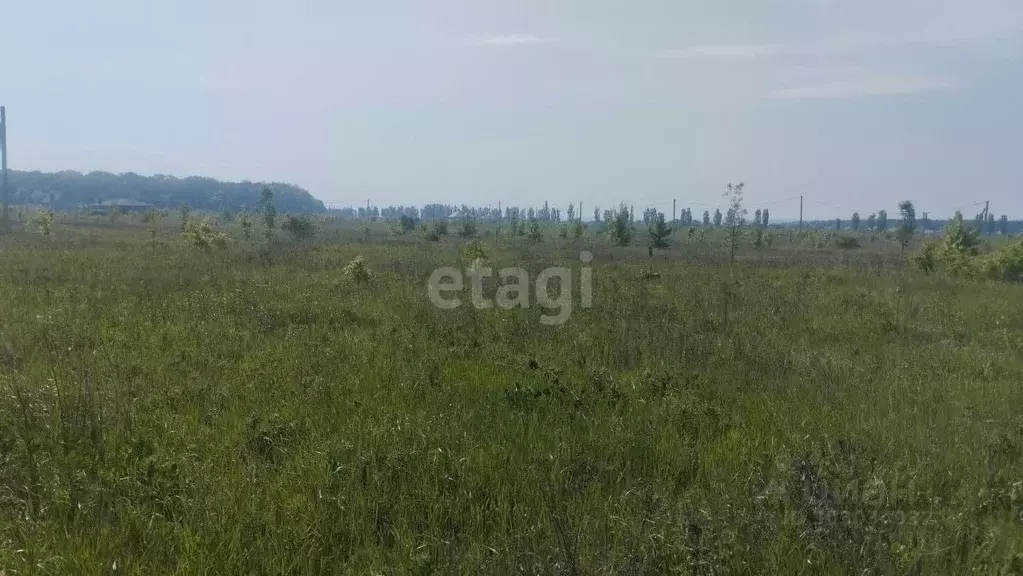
[
  {"x": 545, "y": 213},
  {"x": 68, "y": 190},
  {"x": 878, "y": 222},
  {"x": 874, "y": 222}
]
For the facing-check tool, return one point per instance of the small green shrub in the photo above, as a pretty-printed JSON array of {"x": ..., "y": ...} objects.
[
  {"x": 467, "y": 228},
  {"x": 1004, "y": 264},
  {"x": 660, "y": 232},
  {"x": 473, "y": 253},
  {"x": 535, "y": 230},
  {"x": 847, "y": 242},
  {"x": 356, "y": 271},
  {"x": 619, "y": 226},
  {"x": 407, "y": 223},
  {"x": 204, "y": 234},
  {"x": 299, "y": 227},
  {"x": 246, "y": 223},
  {"x": 43, "y": 222}
]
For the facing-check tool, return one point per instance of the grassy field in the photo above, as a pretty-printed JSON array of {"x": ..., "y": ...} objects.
[{"x": 253, "y": 410}]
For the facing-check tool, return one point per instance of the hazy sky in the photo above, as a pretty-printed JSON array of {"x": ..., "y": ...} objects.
[{"x": 854, "y": 103}]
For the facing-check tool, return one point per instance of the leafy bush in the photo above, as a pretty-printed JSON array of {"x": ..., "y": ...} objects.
[
  {"x": 356, "y": 271},
  {"x": 619, "y": 226},
  {"x": 246, "y": 223},
  {"x": 1004, "y": 264},
  {"x": 43, "y": 222},
  {"x": 847, "y": 242},
  {"x": 474, "y": 254},
  {"x": 660, "y": 232},
  {"x": 955, "y": 253},
  {"x": 204, "y": 234},
  {"x": 960, "y": 239},
  {"x": 927, "y": 258},
  {"x": 269, "y": 209},
  {"x": 299, "y": 227},
  {"x": 151, "y": 218},
  {"x": 184, "y": 210},
  {"x": 467, "y": 228},
  {"x": 535, "y": 230},
  {"x": 958, "y": 253},
  {"x": 407, "y": 223}
]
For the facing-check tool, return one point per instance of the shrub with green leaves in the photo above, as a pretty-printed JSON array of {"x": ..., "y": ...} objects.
[
  {"x": 245, "y": 221},
  {"x": 535, "y": 230},
  {"x": 269, "y": 210},
  {"x": 847, "y": 242},
  {"x": 299, "y": 227},
  {"x": 660, "y": 232},
  {"x": 736, "y": 217},
  {"x": 474, "y": 253},
  {"x": 185, "y": 211},
  {"x": 578, "y": 229},
  {"x": 927, "y": 259},
  {"x": 407, "y": 223},
  {"x": 43, "y": 222},
  {"x": 955, "y": 253},
  {"x": 1004, "y": 264},
  {"x": 204, "y": 234},
  {"x": 356, "y": 271},
  {"x": 151, "y": 218},
  {"x": 619, "y": 226},
  {"x": 467, "y": 228},
  {"x": 907, "y": 227}
]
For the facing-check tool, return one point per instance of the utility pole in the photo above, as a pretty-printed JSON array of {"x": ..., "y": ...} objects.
[
  {"x": 5, "y": 220},
  {"x": 674, "y": 212},
  {"x": 580, "y": 212},
  {"x": 800, "y": 212}
]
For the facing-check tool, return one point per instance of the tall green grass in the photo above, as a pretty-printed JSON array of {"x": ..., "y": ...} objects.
[{"x": 253, "y": 411}]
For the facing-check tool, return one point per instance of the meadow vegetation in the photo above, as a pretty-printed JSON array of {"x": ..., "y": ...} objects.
[{"x": 186, "y": 393}]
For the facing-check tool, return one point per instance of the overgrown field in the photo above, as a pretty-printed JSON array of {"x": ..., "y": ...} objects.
[{"x": 252, "y": 409}]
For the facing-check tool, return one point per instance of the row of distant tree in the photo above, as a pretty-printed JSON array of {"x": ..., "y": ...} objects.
[
  {"x": 761, "y": 218},
  {"x": 450, "y": 211},
  {"x": 547, "y": 213},
  {"x": 878, "y": 222},
  {"x": 69, "y": 190}
]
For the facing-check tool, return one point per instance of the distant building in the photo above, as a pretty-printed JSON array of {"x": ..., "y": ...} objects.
[{"x": 122, "y": 205}]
